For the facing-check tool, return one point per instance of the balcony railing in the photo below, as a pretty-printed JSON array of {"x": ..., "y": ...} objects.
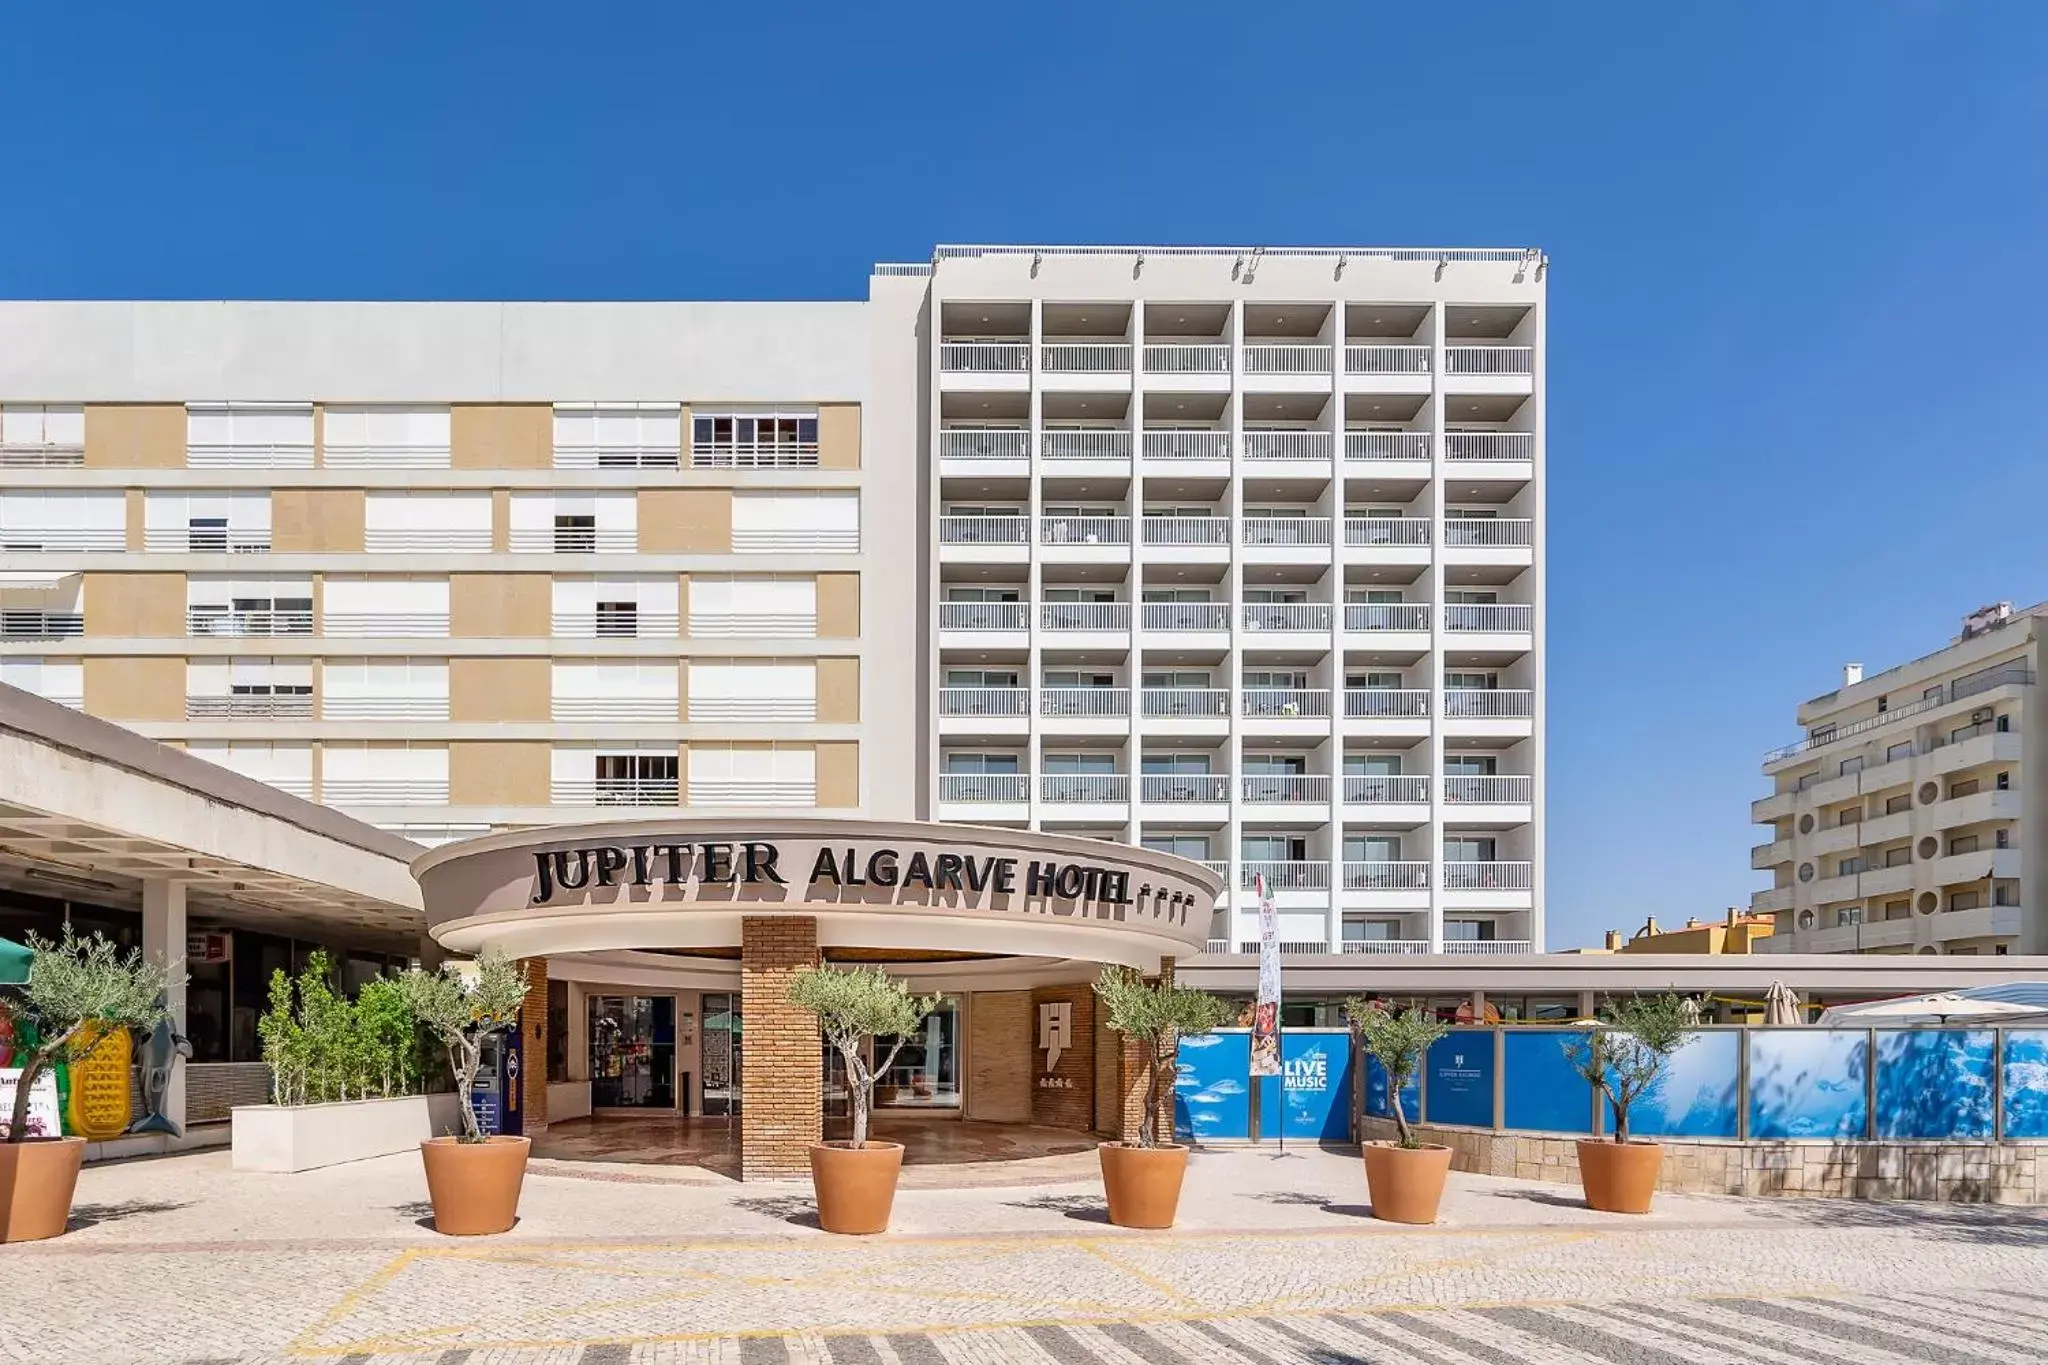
[
  {"x": 1491, "y": 876},
  {"x": 616, "y": 625},
  {"x": 1187, "y": 615},
  {"x": 1364, "y": 531},
  {"x": 1489, "y": 445},
  {"x": 1288, "y": 444},
  {"x": 1003, "y": 702},
  {"x": 1386, "y": 789},
  {"x": 1379, "y": 359},
  {"x": 1085, "y": 357},
  {"x": 281, "y": 455},
  {"x": 1084, "y": 530},
  {"x": 446, "y": 540},
  {"x": 1287, "y": 616},
  {"x": 985, "y": 530},
  {"x": 1095, "y": 702},
  {"x": 345, "y": 455},
  {"x": 288, "y": 706},
  {"x": 1386, "y": 616},
  {"x": 1511, "y": 789},
  {"x": 984, "y": 789},
  {"x": 205, "y": 540},
  {"x": 1386, "y": 445},
  {"x": 575, "y": 540},
  {"x": 384, "y": 708},
  {"x": 985, "y": 443},
  {"x": 768, "y": 625},
  {"x": 32, "y": 538},
  {"x": 2015, "y": 673},
  {"x": 1197, "y": 357},
  {"x": 1386, "y": 876},
  {"x": 1186, "y": 530},
  {"x": 365, "y": 624},
  {"x": 385, "y": 791},
  {"x": 1287, "y": 876},
  {"x": 614, "y": 791},
  {"x": 1489, "y": 616},
  {"x": 1489, "y": 532},
  {"x": 1500, "y": 703},
  {"x": 753, "y": 793},
  {"x": 1186, "y": 703},
  {"x": 800, "y": 709},
  {"x": 1484, "y": 947},
  {"x": 202, "y": 621},
  {"x": 1266, "y": 357},
  {"x": 1380, "y": 703},
  {"x": 755, "y": 454},
  {"x": 1068, "y": 788},
  {"x": 41, "y": 625},
  {"x": 667, "y": 709},
  {"x": 1385, "y": 946},
  {"x": 985, "y": 357},
  {"x": 1308, "y": 531},
  {"x": 1084, "y": 445},
  {"x": 1488, "y": 360},
  {"x": 983, "y": 616},
  {"x": 1084, "y": 616},
  {"x": 24, "y": 456},
  {"x": 808, "y": 540},
  {"x": 1187, "y": 445},
  {"x": 1277, "y": 789},
  {"x": 1184, "y": 789},
  {"x": 1286, "y": 702}
]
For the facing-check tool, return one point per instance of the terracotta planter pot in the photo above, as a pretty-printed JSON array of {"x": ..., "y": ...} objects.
[
  {"x": 1405, "y": 1185},
  {"x": 1619, "y": 1177},
  {"x": 37, "y": 1180},
  {"x": 474, "y": 1186},
  {"x": 1143, "y": 1184},
  {"x": 855, "y": 1186}
]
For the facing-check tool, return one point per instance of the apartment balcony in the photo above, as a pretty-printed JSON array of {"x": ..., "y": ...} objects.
[
  {"x": 1186, "y": 703},
  {"x": 205, "y": 540},
  {"x": 816, "y": 542},
  {"x": 210, "y": 621},
  {"x": 1074, "y": 789},
  {"x": 1387, "y": 540},
  {"x": 361, "y": 625},
  {"x": 1080, "y": 533},
  {"x": 1090, "y": 357},
  {"x": 1488, "y": 876},
  {"x": 1408, "y": 704},
  {"x": 985, "y": 365},
  {"x": 1386, "y": 876},
  {"x": 994, "y": 539},
  {"x": 1285, "y": 877},
  {"x": 797, "y": 794},
  {"x": 1288, "y": 366},
  {"x": 1056, "y": 446},
  {"x": 1189, "y": 617},
  {"x": 1287, "y": 539},
  {"x": 1288, "y": 617},
  {"x": 984, "y": 443},
  {"x": 41, "y": 455},
  {"x": 1285, "y": 703},
  {"x": 624, "y": 456},
  {"x": 1849, "y": 938},
  {"x": 985, "y": 789},
  {"x": 2015, "y": 674},
  {"x": 1380, "y": 617},
  {"x": 764, "y": 625},
  {"x": 380, "y": 791},
  {"x": 1386, "y": 789},
  {"x": 1507, "y": 790},
  {"x": 424, "y": 707},
  {"x": 1112, "y": 617},
  {"x": 1471, "y": 449},
  {"x": 990, "y": 703},
  {"x": 1284, "y": 789},
  {"x": 1085, "y": 703},
  {"x": 1986, "y": 921},
  {"x": 1503, "y": 711},
  {"x": 1976, "y": 809},
  {"x": 614, "y": 791},
  {"x": 646, "y": 710},
  {"x": 1188, "y": 539},
  {"x": 1388, "y": 448},
  {"x": 1770, "y": 901},
  {"x": 1287, "y": 445},
  {"x": 1489, "y": 369},
  {"x": 274, "y": 455},
  {"x": 1184, "y": 789},
  {"x": 1983, "y": 747},
  {"x": 1487, "y": 947},
  {"x": 446, "y": 540},
  {"x": 778, "y": 710},
  {"x": 41, "y": 625},
  {"x": 1960, "y": 869},
  {"x": 616, "y": 625},
  {"x": 28, "y": 539},
  {"x": 1185, "y": 358},
  {"x": 1489, "y": 618},
  {"x": 269, "y": 706},
  {"x": 984, "y": 617},
  {"x": 1378, "y": 360},
  {"x": 769, "y": 452},
  {"x": 351, "y": 455},
  {"x": 1384, "y": 947},
  {"x": 572, "y": 540},
  {"x": 1187, "y": 445},
  {"x": 1507, "y": 541}
]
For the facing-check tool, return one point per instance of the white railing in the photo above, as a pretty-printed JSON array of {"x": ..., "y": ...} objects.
[
  {"x": 1363, "y": 531},
  {"x": 362, "y": 624},
  {"x": 201, "y": 621},
  {"x": 985, "y": 530},
  {"x": 340, "y": 456},
  {"x": 1287, "y": 876},
  {"x": 1268, "y": 357},
  {"x": 1386, "y": 876},
  {"x": 1084, "y": 701},
  {"x": 1489, "y": 531},
  {"x": 290, "y": 706},
  {"x": 1270, "y": 789},
  {"x": 984, "y": 443},
  {"x": 753, "y": 793},
  {"x": 1187, "y": 445},
  {"x": 985, "y": 357},
  {"x": 1386, "y": 445},
  {"x": 1184, "y": 789},
  {"x": 447, "y": 540},
  {"x": 985, "y": 701},
  {"x": 206, "y": 540},
  {"x": 575, "y": 540},
  {"x": 1509, "y": 703},
  {"x": 1285, "y": 703},
  {"x": 983, "y": 616},
  {"x": 1288, "y": 443},
  {"x": 756, "y": 454},
  {"x": 615, "y": 625},
  {"x": 1490, "y": 876},
  {"x": 2009, "y": 674},
  {"x": 1386, "y": 789},
  {"x": 1489, "y": 445},
  {"x": 385, "y": 791},
  {"x": 1187, "y": 357},
  {"x": 614, "y": 791},
  {"x": 1085, "y": 357},
  {"x": 1291, "y": 531},
  {"x": 291, "y": 455},
  {"x": 27, "y": 538},
  {"x": 1488, "y": 359},
  {"x": 1100, "y": 444},
  {"x": 1185, "y": 703},
  {"x": 1372, "y": 358},
  {"x": 810, "y": 541},
  {"x": 803, "y": 709},
  {"x": 41, "y": 457},
  {"x": 384, "y": 708},
  {"x": 1186, "y": 530},
  {"x": 1287, "y": 616},
  {"x": 1493, "y": 616},
  {"x": 759, "y": 624},
  {"x": 1485, "y": 790},
  {"x": 1386, "y": 946},
  {"x": 41, "y": 625},
  {"x": 1084, "y": 530},
  {"x": 1187, "y": 616},
  {"x": 1386, "y": 616},
  {"x": 643, "y": 709},
  {"x": 1067, "y": 788},
  {"x": 984, "y": 788},
  {"x": 1486, "y": 947},
  {"x": 1084, "y": 616},
  {"x": 1380, "y": 703},
  {"x": 1220, "y": 866}
]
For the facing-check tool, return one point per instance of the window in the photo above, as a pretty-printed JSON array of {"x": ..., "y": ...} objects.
[
  {"x": 1899, "y": 909},
  {"x": 1895, "y": 805},
  {"x": 781, "y": 608},
  {"x": 616, "y": 689},
  {"x": 753, "y": 690},
  {"x": 1276, "y": 848},
  {"x": 618, "y": 435},
  {"x": 52, "y": 679},
  {"x": 1185, "y": 761},
  {"x": 34, "y": 520},
  {"x": 1963, "y": 843},
  {"x": 242, "y": 607},
  {"x": 1903, "y": 749},
  {"x": 1275, "y": 765},
  {"x": 228, "y": 435},
  {"x": 206, "y": 523},
  {"x": 41, "y": 434},
  {"x": 1851, "y": 815},
  {"x": 616, "y": 779},
  {"x": 812, "y": 522},
  {"x": 1849, "y": 866},
  {"x": 1850, "y": 765},
  {"x": 1476, "y": 681},
  {"x": 769, "y": 775},
  {"x": 1820, "y": 734},
  {"x": 1965, "y": 900},
  {"x": 1468, "y": 931},
  {"x": 1376, "y": 679},
  {"x": 1371, "y": 930},
  {"x": 1378, "y": 765},
  {"x": 1372, "y": 848},
  {"x": 1849, "y": 915},
  {"x": 978, "y": 762},
  {"x": 1898, "y": 857},
  {"x": 754, "y": 440},
  {"x": 1468, "y": 850},
  {"x": 380, "y": 688},
  {"x": 1194, "y": 846},
  {"x": 288, "y": 767},
  {"x": 383, "y": 606},
  {"x": 1967, "y": 787},
  {"x": 385, "y": 437},
  {"x": 442, "y": 522}
]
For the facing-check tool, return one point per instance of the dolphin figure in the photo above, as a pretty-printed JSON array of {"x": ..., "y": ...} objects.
[{"x": 160, "y": 1053}]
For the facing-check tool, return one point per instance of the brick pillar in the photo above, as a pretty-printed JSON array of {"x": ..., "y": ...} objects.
[
  {"x": 533, "y": 1037},
  {"x": 782, "y": 1070},
  {"x": 1136, "y": 1075}
]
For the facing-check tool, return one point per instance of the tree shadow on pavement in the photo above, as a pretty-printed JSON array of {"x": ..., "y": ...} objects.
[
  {"x": 792, "y": 1209},
  {"x": 1082, "y": 1208},
  {"x": 1983, "y": 1224},
  {"x": 92, "y": 1215}
]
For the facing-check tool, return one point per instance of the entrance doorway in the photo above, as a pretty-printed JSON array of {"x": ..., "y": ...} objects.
[
  {"x": 722, "y": 1035},
  {"x": 633, "y": 1052}
]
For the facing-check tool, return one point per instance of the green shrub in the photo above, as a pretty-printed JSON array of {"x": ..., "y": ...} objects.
[
  {"x": 322, "y": 1047},
  {"x": 1398, "y": 1042},
  {"x": 460, "y": 1005},
  {"x": 853, "y": 1005},
  {"x": 1158, "y": 1015},
  {"x": 74, "y": 982},
  {"x": 1625, "y": 1059}
]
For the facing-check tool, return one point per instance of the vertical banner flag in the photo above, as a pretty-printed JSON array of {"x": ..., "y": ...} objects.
[{"x": 1266, "y": 1016}]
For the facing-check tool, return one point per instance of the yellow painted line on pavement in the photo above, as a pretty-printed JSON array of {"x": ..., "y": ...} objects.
[{"x": 349, "y": 1301}]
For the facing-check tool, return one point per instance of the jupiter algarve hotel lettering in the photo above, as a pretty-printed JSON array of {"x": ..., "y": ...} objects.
[{"x": 1072, "y": 887}]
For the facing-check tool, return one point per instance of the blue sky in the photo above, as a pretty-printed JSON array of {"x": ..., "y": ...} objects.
[{"x": 1799, "y": 295}]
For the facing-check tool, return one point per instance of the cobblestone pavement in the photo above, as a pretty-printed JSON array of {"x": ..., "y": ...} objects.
[{"x": 182, "y": 1262}]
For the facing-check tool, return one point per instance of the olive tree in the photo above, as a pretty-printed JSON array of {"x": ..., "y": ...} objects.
[
  {"x": 80, "y": 992},
  {"x": 1157, "y": 1015},
  {"x": 852, "y": 1006},
  {"x": 1398, "y": 1042},
  {"x": 1624, "y": 1060},
  {"x": 461, "y": 1005}
]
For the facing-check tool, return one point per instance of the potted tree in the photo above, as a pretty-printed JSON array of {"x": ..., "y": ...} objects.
[
  {"x": 1404, "y": 1178},
  {"x": 855, "y": 1181},
  {"x": 79, "y": 992},
  {"x": 472, "y": 1180},
  {"x": 1142, "y": 1181},
  {"x": 1622, "y": 1062}
]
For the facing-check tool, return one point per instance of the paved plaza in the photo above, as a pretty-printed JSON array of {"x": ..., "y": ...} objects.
[{"x": 181, "y": 1260}]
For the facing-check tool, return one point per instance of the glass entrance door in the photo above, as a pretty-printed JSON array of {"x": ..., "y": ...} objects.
[
  {"x": 926, "y": 1073},
  {"x": 633, "y": 1051},
  {"x": 722, "y": 1049}
]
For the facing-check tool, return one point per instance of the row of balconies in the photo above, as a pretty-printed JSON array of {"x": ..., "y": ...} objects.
[
  {"x": 737, "y": 453},
  {"x": 1263, "y": 702},
  {"x": 299, "y": 705},
  {"x": 1281, "y": 445},
  {"x": 1974, "y": 746},
  {"x": 566, "y": 540},
  {"x": 603, "y": 792},
  {"x": 1922, "y": 875},
  {"x": 1492, "y": 617},
  {"x": 1180, "y": 789},
  {"x": 1941, "y": 814},
  {"x": 1314, "y": 875},
  {"x": 1251, "y": 532},
  {"x": 227, "y": 622},
  {"x": 1467, "y": 947},
  {"x": 1939, "y": 926},
  {"x": 2016, "y": 673},
  {"x": 1213, "y": 358}
]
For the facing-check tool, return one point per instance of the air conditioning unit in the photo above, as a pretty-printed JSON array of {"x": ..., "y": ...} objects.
[{"x": 1980, "y": 715}]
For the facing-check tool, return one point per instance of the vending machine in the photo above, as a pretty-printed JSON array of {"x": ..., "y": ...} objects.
[{"x": 495, "y": 1098}]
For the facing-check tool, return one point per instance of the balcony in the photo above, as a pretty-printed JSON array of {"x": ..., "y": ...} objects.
[
  {"x": 1386, "y": 445},
  {"x": 1201, "y": 357},
  {"x": 41, "y": 454},
  {"x": 1012, "y": 703},
  {"x": 985, "y": 789},
  {"x": 1085, "y": 357},
  {"x": 1386, "y": 531},
  {"x": 976, "y": 616},
  {"x": 985, "y": 530},
  {"x": 1386, "y": 789},
  {"x": 1084, "y": 530},
  {"x": 1187, "y": 531},
  {"x": 2014, "y": 674},
  {"x": 1373, "y": 358},
  {"x": 1385, "y": 946},
  {"x": 384, "y": 707},
  {"x": 985, "y": 357},
  {"x": 1986, "y": 921},
  {"x": 268, "y": 706},
  {"x": 799, "y": 710},
  {"x": 1287, "y": 876},
  {"x": 573, "y": 540},
  {"x": 984, "y": 443},
  {"x": 1287, "y": 616},
  {"x": 1492, "y": 617},
  {"x": 1469, "y": 446},
  {"x": 1488, "y": 876},
  {"x": 1369, "y": 616},
  {"x": 614, "y": 791},
  {"x": 205, "y": 540},
  {"x": 444, "y": 540},
  {"x": 1489, "y": 703},
  {"x": 1287, "y": 358},
  {"x": 1186, "y": 703},
  {"x": 753, "y": 793},
  {"x": 1489, "y": 360},
  {"x": 252, "y": 455},
  {"x": 1067, "y": 789},
  {"x": 1288, "y": 444},
  {"x": 768, "y": 625},
  {"x": 1383, "y": 703},
  {"x": 629, "y": 710},
  {"x": 763, "y": 452},
  {"x": 1288, "y": 703},
  {"x": 1060, "y": 616},
  {"x": 615, "y": 625},
  {"x": 1286, "y": 532},
  {"x": 371, "y": 624},
  {"x": 1386, "y": 876},
  {"x": 19, "y": 539},
  {"x": 1184, "y": 789},
  {"x": 385, "y": 791},
  {"x": 1084, "y": 445},
  {"x": 1187, "y": 445},
  {"x": 1489, "y": 533},
  {"x": 219, "y": 621},
  {"x": 1094, "y": 703},
  {"x": 1508, "y": 790},
  {"x": 1284, "y": 789},
  {"x": 41, "y": 625},
  {"x": 1973, "y": 809},
  {"x": 575, "y": 455},
  {"x": 1190, "y": 616},
  {"x": 410, "y": 455},
  {"x": 1486, "y": 947}
]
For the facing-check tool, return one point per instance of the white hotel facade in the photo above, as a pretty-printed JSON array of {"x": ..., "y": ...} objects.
[{"x": 1235, "y": 553}]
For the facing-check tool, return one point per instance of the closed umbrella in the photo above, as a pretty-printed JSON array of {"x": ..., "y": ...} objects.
[
  {"x": 14, "y": 960},
  {"x": 1689, "y": 1011},
  {"x": 1781, "y": 1007}
]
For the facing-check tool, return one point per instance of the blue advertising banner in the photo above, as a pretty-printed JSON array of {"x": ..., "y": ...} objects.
[
  {"x": 1315, "y": 1077},
  {"x": 1459, "y": 1066},
  {"x": 1808, "y": 1083},
  {"x": 2026, "y": 1083},
  {"x": 1544, "y": 1093},
  {"x": 1376, "y": 1101},
  {"x": 1697, "y": 1094},
  {"x": 1211, "y": 1090},
  {"x": 1935, "y": 1083}
]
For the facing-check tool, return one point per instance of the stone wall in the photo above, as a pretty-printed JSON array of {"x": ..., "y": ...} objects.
[
  {"x": 1064, "y": 1096},
  {"x": 1000, "y": 1028},
  {"x": 783, "y": 1113},
  {"x": 533, "y": 1042}
]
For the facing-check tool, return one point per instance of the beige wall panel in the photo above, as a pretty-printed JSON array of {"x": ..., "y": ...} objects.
[
  {"x": 839, "y": 691},
  {"x": 501, "y": 436},
  {"x": 135, "y": 689},
  {"x": 839, "y": 774},
  {"x": 839, "y": 606},
  {"x": 499, "y": 689},
  {"x": 319, "y": 434},
  {"x": 839, "y": 435},
  {"x": 497, "y": 773},
  {"x": 134, "y": 436},
  {"x": 136, "y": 515},
  {"x": 151, "y": 604},
  {"x": 1000, "y": 1035},
  {"x": 481, "y": 605},
  {"x": 316, "y": 520},
  {"x": 685, "y": 520},
  {"x": 501, "y": 520}
]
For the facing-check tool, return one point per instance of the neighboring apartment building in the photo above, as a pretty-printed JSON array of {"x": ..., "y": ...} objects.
[
  {"x": 1899, "y": 823},
  {"x": 1235, "y": 553}
]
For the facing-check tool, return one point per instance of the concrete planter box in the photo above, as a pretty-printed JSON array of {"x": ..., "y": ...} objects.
[{"x": 273, "y": 1137}]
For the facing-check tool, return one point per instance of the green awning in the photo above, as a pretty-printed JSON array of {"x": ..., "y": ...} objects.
[{"x": 14, "y": 960}]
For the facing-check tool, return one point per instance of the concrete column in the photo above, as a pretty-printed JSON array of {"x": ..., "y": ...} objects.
[
  {"x": 781, "y": 1109},
  {"x": 163, "y": 939},
  {"x": 1433, "y": 675}
]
